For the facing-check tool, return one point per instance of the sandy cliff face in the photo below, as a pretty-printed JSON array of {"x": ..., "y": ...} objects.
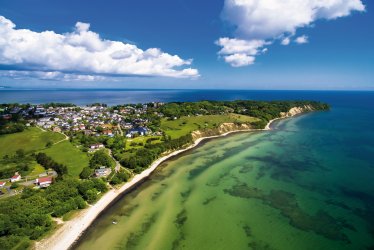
[
  {"x": 296, "y": 110},
  {"x": 223, "y": 128},
  {"x": 229, "y": 127}
]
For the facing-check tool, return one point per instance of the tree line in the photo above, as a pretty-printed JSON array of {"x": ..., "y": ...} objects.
[
  {"x": 28, "y": 216},
  {"x": 47, "y": 162},
  {"x": 141, "y": 158}
]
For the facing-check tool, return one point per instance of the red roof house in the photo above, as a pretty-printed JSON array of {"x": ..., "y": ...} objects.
[
  {"x": 15, "y": 178},
  {"x": 44, "y": 181}
]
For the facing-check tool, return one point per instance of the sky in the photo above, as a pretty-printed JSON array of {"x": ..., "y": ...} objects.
[{"x": 188, "y": 44}]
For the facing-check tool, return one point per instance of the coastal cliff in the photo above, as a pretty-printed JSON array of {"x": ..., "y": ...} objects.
[
  {"x": 296, "y": 110},
  {"x": 234, "y": 127},
  {"x": 221, "y": 129}
]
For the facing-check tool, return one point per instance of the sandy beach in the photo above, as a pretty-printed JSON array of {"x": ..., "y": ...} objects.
[{"x": 69, "y": 232}]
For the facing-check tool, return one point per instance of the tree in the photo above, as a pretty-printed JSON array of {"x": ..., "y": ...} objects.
[
  {"x": 86, "y": 173},
  {"x": 123, "y": 176},
  {"x": 99, "y": 129},
  {"x": 14, "y": 185},
  {"x": 20, "y": 153},
  {"x": 47, "y": 162},
  {"x": 100, "y": 158},
  {"x": 91, "y": 195},
  {"x": 115, "y": 180},
  {"x": 100, "y": 185},
  {"x": 80, "y": 202}
]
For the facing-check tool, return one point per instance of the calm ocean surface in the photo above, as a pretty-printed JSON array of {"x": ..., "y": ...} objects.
[
  {"x": 121, "y": 96},
  {"x": 307, "y": 184}
]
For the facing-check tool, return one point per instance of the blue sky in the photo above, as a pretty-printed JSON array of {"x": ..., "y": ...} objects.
[{"x": 338, "y": 52}]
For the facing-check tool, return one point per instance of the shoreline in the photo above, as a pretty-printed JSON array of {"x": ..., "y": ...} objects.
[{"x": 70, "y": 231}]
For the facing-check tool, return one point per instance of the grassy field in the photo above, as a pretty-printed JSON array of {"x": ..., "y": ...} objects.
[
  {"x": 37, "y": 169},
  {"x": 67, "y": 154},
  {"x": 141, "y": 140},
  {"x": 185, "y": 125},
  {"x": 32, "y": 139}
]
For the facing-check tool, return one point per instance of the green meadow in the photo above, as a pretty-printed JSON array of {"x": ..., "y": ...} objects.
[
  {"x": 185, "y": 125},
  {"x": 139, "y": 142},
  {"x": 35, "y": 140},
  {"x": 32, "y": 139},
  {"x": 69, "y": 155}
]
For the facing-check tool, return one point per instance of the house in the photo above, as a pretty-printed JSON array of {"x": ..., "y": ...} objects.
[
  {"x": 138, "y": 130},
  {"x": 15, "y": 178},
  {"x": 102, "y": 171},
  {"x": 15, "y": 110},
  {"x": 56, "y": 129},
  {"x": 108, "y": 132},
  {"x": 2, "y": 184},
  {"x": 107, "y": 126},
  {"x": 97, "y": 146},
  {"x": 7, "y": 116},
  {"x": 44, "y": 181},
  {"x": 127, "y": 125},
  {"x": 88, "y": 132}
]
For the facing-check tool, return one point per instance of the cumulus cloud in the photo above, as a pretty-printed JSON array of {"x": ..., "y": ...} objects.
[
  {"x": 286, "y": 41},
  {"x": 84, "y": 53},
  {"x": 239, "y": 52},
  {"x": 269, "y": 20},
  {"x": 301, "y": 39},
  {"x": 239, "y": 59}
]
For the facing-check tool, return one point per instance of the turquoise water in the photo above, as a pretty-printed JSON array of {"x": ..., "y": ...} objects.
[{"x": 307, "y": 184}]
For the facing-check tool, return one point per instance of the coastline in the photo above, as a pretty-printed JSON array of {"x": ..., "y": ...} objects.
[{"x": 69, "y": 232}]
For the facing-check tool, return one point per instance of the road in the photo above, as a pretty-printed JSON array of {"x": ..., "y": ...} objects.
[
  {"x": 117, "y": 168},
  {"x": 120, "y": 129}
]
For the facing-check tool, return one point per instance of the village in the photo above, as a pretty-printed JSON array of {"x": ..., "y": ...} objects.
[{"x": 94, "y": 122}]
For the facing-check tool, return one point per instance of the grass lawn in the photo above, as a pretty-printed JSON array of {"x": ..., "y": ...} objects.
[
  {"x": 69, "y": 155},
  {"x": 32, "y": 139},
  {"x": 185, "y": 125},
  {"x": 141, "y": 140},
  {"x": 37, "y": 169}
]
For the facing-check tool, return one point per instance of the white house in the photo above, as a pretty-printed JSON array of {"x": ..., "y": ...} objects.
[
  {"x": 15, "y": 178},
  {"x": 102, "y": 171},
  {"x": 97, "y": 146},
  {"x": 2, "y": 184}
]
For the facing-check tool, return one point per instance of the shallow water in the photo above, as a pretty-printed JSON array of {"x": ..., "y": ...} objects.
[{"x": 308, "y": 184}]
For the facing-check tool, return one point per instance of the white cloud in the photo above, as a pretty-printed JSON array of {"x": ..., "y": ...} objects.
[
  {"x": 238, "y": 52},
  {"x": 286, "y": 41},
  {"x": 239, "y": 60},
  {"x": 302, "y": 39},
  {"x": 268, "y": 20},
  {"x": 51, "y": 75},
  {"x": 83, "y": 52}
]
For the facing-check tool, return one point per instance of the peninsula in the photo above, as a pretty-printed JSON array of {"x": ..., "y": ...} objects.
[{"x": 60, "y": 158}]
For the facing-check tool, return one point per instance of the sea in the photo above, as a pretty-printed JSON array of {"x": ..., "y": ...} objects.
[{"x": 306, "y": 184}]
